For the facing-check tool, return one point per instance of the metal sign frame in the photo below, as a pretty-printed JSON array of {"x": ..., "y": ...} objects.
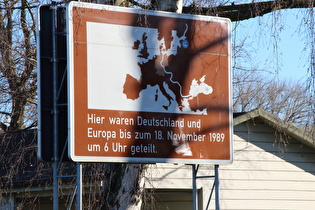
[
  {"x": 186, "y": 118},
  {"x": 52, "y": 83}
]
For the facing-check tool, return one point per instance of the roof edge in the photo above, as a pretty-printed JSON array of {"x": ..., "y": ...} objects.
[{"x": 272, "y": 120}]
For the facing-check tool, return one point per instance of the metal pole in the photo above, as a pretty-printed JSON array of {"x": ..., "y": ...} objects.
[
  {"x": 79, "y": 186},
  {"x": 194, "y": 185},
  {"x": 55, "y": 186},
  {"x": 55, "y": 107},
  {"x": 217, "y": 187}
]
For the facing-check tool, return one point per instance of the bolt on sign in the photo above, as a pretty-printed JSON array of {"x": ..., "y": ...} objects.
[{"x": 147, "y": 86}]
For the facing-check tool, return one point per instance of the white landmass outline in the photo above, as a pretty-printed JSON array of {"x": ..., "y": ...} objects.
[{"x": 110, "y": 58}]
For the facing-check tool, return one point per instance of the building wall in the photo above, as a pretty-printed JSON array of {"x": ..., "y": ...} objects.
[
  {"x": 6, "y": 203},
  {"x": 269, "y": 172},
  {"x": 164, "y": 178}
]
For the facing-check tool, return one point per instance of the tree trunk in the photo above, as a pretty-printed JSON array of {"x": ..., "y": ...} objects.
[
  {"x": 124, "y": 185},
  {"x": 168, "y": 5}
]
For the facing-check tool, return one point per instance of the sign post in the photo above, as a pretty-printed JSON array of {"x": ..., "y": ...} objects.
[{"x": 148, "y": 87}]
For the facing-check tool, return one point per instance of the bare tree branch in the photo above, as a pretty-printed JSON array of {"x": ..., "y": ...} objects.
[
  {"x": 238, "y": 12},
  {"x": 254, "y": 9}
]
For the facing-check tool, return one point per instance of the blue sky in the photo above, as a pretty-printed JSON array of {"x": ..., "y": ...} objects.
[{"x": 288, "y": 43}]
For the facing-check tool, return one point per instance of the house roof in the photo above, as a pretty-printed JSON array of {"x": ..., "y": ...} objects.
[
  {"x": 20, "y": 166},
  {"x": 275, "y": 122}
]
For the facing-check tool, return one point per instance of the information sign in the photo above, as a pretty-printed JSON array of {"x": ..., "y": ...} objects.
[{"x": 148, "y": 86}]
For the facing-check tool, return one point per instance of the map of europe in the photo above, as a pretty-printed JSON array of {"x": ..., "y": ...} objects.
[
  {"x": 152, "y": 72},
  {"x": 157, "y": 72}
]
